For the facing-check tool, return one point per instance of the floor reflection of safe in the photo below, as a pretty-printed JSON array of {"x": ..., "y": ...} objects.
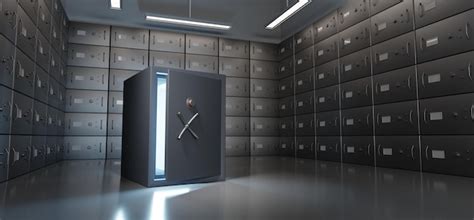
[{"x": 173, "y": 127}]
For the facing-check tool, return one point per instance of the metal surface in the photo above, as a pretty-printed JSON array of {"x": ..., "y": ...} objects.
[
  {"x": 202, "y": 45},
  {"x": 355, "y": 38},
  {"x": 237, "y": 146},
  {"x": 25, "y": 34},
  {"x": 114, "y": 125},
  {"x": 325, "y": 27},
  {"x": 85, "y": 124},
  {"x": 88, "y": 56},
  {"x": 358, "y": 150},
  {"x": 287, "y": 106},
  {"x": 357, "y": 121},
  {"x": 427, "y": 11},
  {"x": 85, "y": 147},
  {"x": 117, "y": 77},
  {"x": 92, "y": 34},
  {"x": 304, "y": 125},
  {"x": 7, "y": 67},
  {"x": 304, "y": 39},
  {"x": 402, "y": 152},
  {"x": 304, "y": 60},
  {"x": 395, "y": 86},
  {"x": 8, "y": 18},
  {"x": 128, "y": 59},
  {"x": 263, "y": 51},
  {"x": 6, "y": 105},
  {"x": 129, "y": 38},
  {"x": 285, "y": 48},
  {"x": 202, "y": 63},
  {"x": 356, "y": 65},
  {"x": 264, "y": 126},
  {"x": 264, "y": 146},
  {"x": 234, "y": 48},
  {"x": 114, "y": 147},
  {"x": 234, "y": 67},
  {"x": 262, "y": 69},
  {"x": 356, "y": 93},
  {"x": 396, "y": 119},
  {"x": 167, "y": 59},
  {"x": 237, "y": 87},
  {"x": 392, "y": 22},
  {"x": 87, "y": 78},
  {"x": 167, "y": 41},
  {"x": 327, "y": 74},
  {"x": 304, "y": 81},
  {"x": 22, "y": 114},
  {"x": 393, "y": 54},
  {"x": 84, "y": 101},
  {"x": 327, "y": 99},
  {"x": 262, "y": 107},
  {"x": 287, "y": 126},
  {"x": 328, "y": 123},
  {"x": 261, "y": 88},
  {"x": 326, "y": 50},
  {"x": 286, "y": 87},
  {"x": 304, "y": 103},
  {"x": 115, "y": 102},
  {"x": 305, "y": 147},
  {"x": 328, "y": 148},
  {"x": 285, "y": 67}
]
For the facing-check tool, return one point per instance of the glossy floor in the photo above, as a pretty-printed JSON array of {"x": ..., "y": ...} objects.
[{"x": 256, "y": 188}]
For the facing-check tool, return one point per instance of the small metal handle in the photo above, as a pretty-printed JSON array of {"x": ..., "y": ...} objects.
[
  {"x": 368, "y": 149},
  {"x": 408, "y": 48},
  {"x": 472, "y": 112},
  {"x": 378, "y": 149},
  {"x": 409, "y": 82},
  {"x": 468, "y": 27},
  {"x": 378, "y": 116},
  {"x": 413, "y": 152},
  {"x": 411, "y": 117},
  {"x": 422, "y": 43},
  {"x": 376, "y": 58},
  {"x": 469, "y": 71},
  {"x": 426, "y": 152},
  {"x": 423, "y": 79},
  {"x": 424, "y": 116},
  {"x": 367, "y": 90},
  {"x": 421, "y": 8},
  {"x": 377, "y": 85},
  {"x": 408, "y": 15},
  {"x": 366, "y": 60},
  {"x": 368, "y": 118}
]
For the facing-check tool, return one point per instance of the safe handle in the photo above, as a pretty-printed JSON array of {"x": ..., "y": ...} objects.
[{"x": 472, "y": 112}]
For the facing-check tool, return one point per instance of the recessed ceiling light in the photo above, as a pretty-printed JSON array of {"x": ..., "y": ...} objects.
[
  {"x": 288, "y": 13},
  {"x": 116, "y": 4},
  {"x": 188, "y": 22}
]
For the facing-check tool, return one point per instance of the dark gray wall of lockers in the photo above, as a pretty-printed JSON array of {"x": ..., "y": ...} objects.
[
  {"x": 33, "y": 36},
  {"x": 382, "y": 83},
  {"x": 101, "y": 57}
]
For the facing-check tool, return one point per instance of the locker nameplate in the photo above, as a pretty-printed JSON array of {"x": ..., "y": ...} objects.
[
  {"x": 259, "y": 146},
  {"x": 300, "y": 103},
  {"x": 347, "y": 41},
  {"x": 320, "y": 52},
  {"x": 41, "y": 50},
  {"x": 81, "y": 33},
  {"x": 195, "y": 44},
  {"x": 259, "y": 126},
  {"x": 259, "y": 50},
  {"x": 436, "y": 116},
  {"x": 322, "y": 148},
  {"x": 80, "y": 55},
  {"x": 322, "y": 124},
  {"x": 320, "y": 29},
  {"x": 386, "y": 119},
  {"x": 321, "y": 76},
  {"x": 19, "y": 113},
  {"x": 382, "y": 26},
  {"x": 348, "y": 67},
  {"x": 434, "y": 78},
  {"x": 228, "y": 105},
  {"x": 383, "y": 57},
  {"x": 300, "y": 61},
  {"x": 37, "y": 117},
  {"x": 39, "y": 83},
  {"x": 259, "y": 69},
  {"x": 438, "y": 154},
  {"x": 385, "y": 88},
  {"x": 346, "y": 14},
  {"x": 300, "y": 125},
  {"x": 122, "y": 37},
  {"x": 77, "y": 124},
  {"x": 259, "y": 107},
  {"x": 159, "y": 61},
  {"x": 299, "y": 41},
  {"x": 160, "y": 41},
  {"x": 76, "y": 147},
  {"x": 35, "y": 152},
  {"x": 228, "y": 67},
  {"x": 350, "y": 149},
  {"x": 348, "y": 94},
  {"x": 283, "y": 126},
  {"x": 283, "y": 146},
  {"x": 432, "y": 42},
  {"x": 16, "y": 156},
  {"x": 283, "y": 107},
  {"x": 300, "y": 82},
  {"x": 119, "y": 102},
  {"x": 120, "y": 58},
  {"x": 387, "y": 151},
  {"x": 282, "y": 50},
  {"x": 322, "y": 99},
  {"x": 283, "y": 88},
  {"x": 301, "y": 146},
  {"x": 259, "y": 88},
  {"x": 195, "y": 64},
  {"x": 282, "y": 69},
  {"x": 78, "y": 101},
  {"x": 350, "y": 122},
  {"x": 79, "y": 78}
]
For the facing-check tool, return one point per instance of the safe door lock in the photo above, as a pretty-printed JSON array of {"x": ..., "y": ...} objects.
[{"x": 187, "y": 125}]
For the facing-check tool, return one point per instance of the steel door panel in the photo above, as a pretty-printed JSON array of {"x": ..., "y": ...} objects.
[
  {"x": 357, "y": 121},
  {"x": 262, "y": 88},
  {"x": 327, "y": 74},
  {"x": 354, "y": 38},
  {"x": 377, "y": 6},
  {"x": 356, "y": 65},
  {"x": 448, "y": 115},
  {"x": 328, "y": 123},
  {"x": 167, "y": 60},
  {"x": 396, "y": 119},
  {"x": 237, "y": 87},
  {"x": 287, "y": 106},
  {"x": 327, "y": 99},
  {"x": 8, "y": 19},
  {"x": 287, "y": 126},
  {"x": 304, "y": 39},
  {"x": 87, "y": 78},
  {"x": 304, "y": 81},
  {"x": 304, "y": 103},
  {"x": 130, "y": 38},
  {"x": 325, "y": 27},
  {"x": 85, "y": 148},
  {"x": 117, "y": 77},
  {"x": 234, "y": 67},
  {"x": 7, "y": 66},
  {"x": 5, "y": 110},
  {"x": 114, "y": 125},
  {"x": 24, "y": 81},
  {"x": 305, "y": 147},
  {"x": 285, "y": 87},
  {"x": 40, "y": 119},
  {"x": 356, "y": 93},
  {"x": 91, "y": 34},
  {"x": 30, "y": 7},
  {"x": 129, "y": 59},
  {"x": 88, "y": 56},
  {"x": 264, "y": 107},
  {"x": 264, "y": 146},
  {"x": 202, "y": 45},
  {"x": 56, "y": 10},
  {"x": 429, "y": 11},
  {"x": 44, "y": 19},
  {"x": 395, "y": 86},
  {"x": 394, "y": 21},
  {"x": 25, "y": 34},
  {"x": 237, "y": 106},
  {"x": 264, "y": 126},
  {"x": 285, "y": 68},
  {"x": 52, "y": 121},
  {"x": 202, "y": 63},
  {"x": 358, "y": 150},
  {"x": 263, "y": 69},
  {"x": 287, "y": 146},
  {"x": 401, "y": 152},
  {"x": 85, "y": 124},
  {"x": 115, "y": 102},
  {"x": 285, "y": 48},
  {"x": 19, "y": 156},
  {"x": 38, "y": 148},
  {"x": 304, "y": 60},
  {"x": 304, "y": 125},
  {"x": 237, "y": 146},
  {"x": 22, "y": 114},
  {"x": 167, "y": 41},
  {"x": 394, "y": 53},
  {"x": 326, "y": 50},
  {"x": 263, "y": 51},
  {"x": 328, "y": 148},
  {"x": 352, "y": 12},
  {"x": 114, "y": 147},
  {"x": 237, "y": 126},
  {"x": 42, "y": 52},
  {"x": 234, "y": 48},
  {"x": 86, "y": 101},
  {"x": 55, "y": 38},
  {"x": 4, "y": 150}
]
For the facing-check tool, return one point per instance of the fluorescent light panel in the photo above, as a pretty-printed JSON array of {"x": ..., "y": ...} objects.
[
  {"x": 116, "y": 4},
  {"x": 288, "y": 13},
  {"x": 187, "y": 22}
]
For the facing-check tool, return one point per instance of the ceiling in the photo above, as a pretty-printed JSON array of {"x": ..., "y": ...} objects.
[{"x": 247, "y": 17}]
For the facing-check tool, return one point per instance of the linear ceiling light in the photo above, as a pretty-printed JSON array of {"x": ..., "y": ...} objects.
[
  {"x": 288, "y": 13},
  {"x": 116, "y": 4},
  {"x": 188, "y": 22}
]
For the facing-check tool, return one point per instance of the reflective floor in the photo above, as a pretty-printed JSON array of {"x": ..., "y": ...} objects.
[{"x": 256, "y": 188}]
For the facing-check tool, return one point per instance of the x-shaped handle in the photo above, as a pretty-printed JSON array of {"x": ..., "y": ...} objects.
[{"x": 186, "y": 125}]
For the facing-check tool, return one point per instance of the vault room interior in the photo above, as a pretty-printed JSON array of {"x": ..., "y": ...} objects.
[{"x": 236, "y": 109}]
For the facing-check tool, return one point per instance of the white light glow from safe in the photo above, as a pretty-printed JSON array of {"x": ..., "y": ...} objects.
[
  {"x": 187, "y": 22},
  {"x": 158, "y": 203},
  {"x": 161, "y": 97},
  {"x": 116, "y": 4},
  {"x": 288, "y": 13}
]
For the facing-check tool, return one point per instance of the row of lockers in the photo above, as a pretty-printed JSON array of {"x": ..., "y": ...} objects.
[
  {"x": 85, "y": 124},
  {"x": 389, "y": 19},
  {"x": 255, "y": 146},
  {"x": 92, "y": 34},
  {"x": 440, "y": 154}
]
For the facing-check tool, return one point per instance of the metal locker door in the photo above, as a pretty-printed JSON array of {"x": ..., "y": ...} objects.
[
  {"x": 167, "y": 41},
  {"x": 42, "y": 52},
  {"x": 38, "y": 145},
  {"x": 358, "y": 150},
  {"x": 377, "y": 6},
  {"x": 86, "y": 124},
  {"x": 52, "y": 118},
  {"x": 304, "y": 39},
  {"x": 130, "y": 38},
  {"x": 263, "y": 51},
  {"x": 40, "y": 119},
  {"x": 285, "y": 67},
  {"x": 234, "y": 67},
  {"x": 8, "y": 19},
  {"x": 356, "y": 65},
  {"x": 26, "y": 34},
  {"x": 326, "y": 50},
  {"x": 24, "y": 81},
  {"x": 395, "y": 86},
  {"x": 287, "y": 146},
  {"x": 114, "y": 147},
  {"x": 115, "y": 102},
  {"x": 87, "y": 78},
  {"x": 44, "y": 19},
  {"x": 237, "y": 146},
  {"x": 114, "y": 125},
  {"x": 91, "y": 34},
  {"x": 455, "y": 37},
  {"x": 285, "y": 48},
  {"x": 429, "y": 11},
  {"x": 264, "y": 126},
  {"x": 55, "y": 38},
  {"x": 263, "y": 69},
  {"x": 7, "y": 66},
  {"x": 325, "y": 27},
  {"x": 88, "y": 56},
  {"x": 326, "y": 74},
  {"x": 237, "y": 106},
  {"x": 304, "y": 125},
  {"x": 264, "y": 88},
  {"x": 5, "y": 110},
  {"x": 327, "y": 123},
  {"x": 264, "y": 146},
  {"x": 447, "y": 154},
  {"x": 356, "y": 93},
  {"x": 285, "y": 87},
  {"x": 4, "y": 150},
  {"x": 448, "y": 115},
  {"x": 22, "y": 114},
  {"x": 393, "y": 54},
  {"x": 202, "y": 63},
  {"x": 447, "y": 76},
  {"x": 30, "y": 7},
  {"x": 304, "y": 60},
  {"x": 237, "y": 87},
  {"x": 262, "y": 107},
  {"x": 129, "y": 59},
  {"x": 305, "y": 147},
  {"x": 166, "y": 59},
  {"x": 237, "y": 126},
  {"x": 85, "y": 147},
  {"x": 394, "y": 21},
  {"x": 357, "y": 121},
  {"x": 234, "y": 48},
  {"x": 396, "y": 119},
  {"x": 328, "y": 148},
  {"x": 287, "y": 106},
  {"x": 304, "y": 81},
  {"x": 117, "y": 77},
  {"x": 354, "y": 38},
  {"x": 19, "y": 156},
  {"x": 327, "y": 99},
  {"x": 305, "y": 103},
  {"x": 401, "y": 152},
  {"x": 287, "y": 126},
  {"x": 352, "y": 12},
  {"x": 86, "y": 101},
  {"x": 202, "y": 45}
]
